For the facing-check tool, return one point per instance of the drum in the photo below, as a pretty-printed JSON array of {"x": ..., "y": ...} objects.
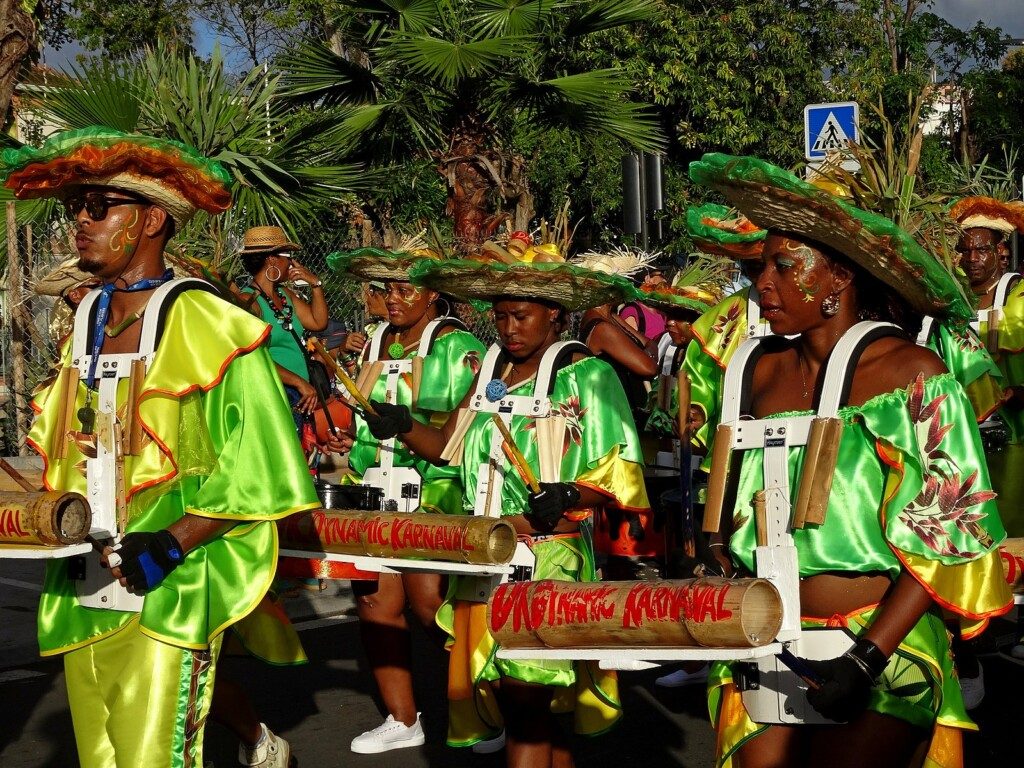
[{"x": 362, "y": 497}]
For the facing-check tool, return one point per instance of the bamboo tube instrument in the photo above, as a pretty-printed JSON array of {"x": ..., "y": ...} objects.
[
  {"x": 760, "y": 503},
  {"x": 718, "y": 480},
  {"x": 711, "y": 612},
  {"x": 67, "y": 389},
  {"x": 44, "y": 518},
  {"x": 453, "y": 538}
]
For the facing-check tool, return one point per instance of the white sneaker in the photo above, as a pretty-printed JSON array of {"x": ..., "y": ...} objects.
[
  {"x": 390, "y": 734},
  {"x": 681, "y": 678},
  {"x": 487, "y": 746},
  {"x": 271, "y": 752},
  {"x": 973, "y": 689}
]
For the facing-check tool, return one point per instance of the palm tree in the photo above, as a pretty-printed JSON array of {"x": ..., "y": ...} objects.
[
  {"x": 456, "y": 81},
  {"x": 281, "y": 176}
]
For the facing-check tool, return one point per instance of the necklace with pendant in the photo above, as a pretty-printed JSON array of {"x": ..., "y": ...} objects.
[{"x": 396, "y": 350}]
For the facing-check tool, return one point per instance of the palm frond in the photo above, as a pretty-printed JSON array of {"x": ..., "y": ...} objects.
[
  {"x": 405, "y": 15},
  {"x": 313, "y": 72},
  {"x": 448, "y": 62},
  {"x": 96, "y": 93},
  {"x": 492, "y": 18},
  {"x": 600, "y": 15},
  {"x": 593, "y": 104}
]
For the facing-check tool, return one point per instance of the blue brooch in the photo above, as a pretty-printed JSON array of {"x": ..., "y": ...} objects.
[{"x": 496, "y": 389}]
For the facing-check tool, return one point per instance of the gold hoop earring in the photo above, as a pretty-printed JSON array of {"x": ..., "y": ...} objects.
[{"x": 266, "y": 273}]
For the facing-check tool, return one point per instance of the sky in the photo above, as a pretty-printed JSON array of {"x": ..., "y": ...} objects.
[{"x": 1006, "y": 14}]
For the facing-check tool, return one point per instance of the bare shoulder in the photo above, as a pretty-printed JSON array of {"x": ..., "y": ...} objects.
[{"x": 893, "y": 363}]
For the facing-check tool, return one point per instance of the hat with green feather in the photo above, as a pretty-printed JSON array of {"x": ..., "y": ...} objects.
[
  {"x": 778, "y": 201},
  {"x": 168, "y": 173}
]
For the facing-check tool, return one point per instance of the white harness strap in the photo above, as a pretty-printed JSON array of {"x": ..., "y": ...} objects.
[
  {"x": 755, "y": 328},
  {"x": 105, "y": 484},
  {"x": 491, "y": 475},
  {"x": 666, "y": 354},
  {"x": 401, "y": 485}
]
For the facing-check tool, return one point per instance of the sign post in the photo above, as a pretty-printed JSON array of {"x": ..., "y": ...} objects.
[{"x": 830, "y": 128}]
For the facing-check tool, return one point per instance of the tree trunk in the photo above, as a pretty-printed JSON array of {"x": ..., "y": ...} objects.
[
  {"x": 18, "y": 382},
  {"x": 469, "y": 189},
  {"x": 17, "y": 36}
]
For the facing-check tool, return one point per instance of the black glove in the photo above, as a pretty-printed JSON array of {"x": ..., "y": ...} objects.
[
  {"x": 391, "y": 420},
  {"x": 548, "y": 506},
  {"x": 147, "y": 558},
  {"x": 846, "y": 682}
]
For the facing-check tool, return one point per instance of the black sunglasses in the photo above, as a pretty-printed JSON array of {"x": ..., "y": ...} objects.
[{"x": 96, "y": 204}]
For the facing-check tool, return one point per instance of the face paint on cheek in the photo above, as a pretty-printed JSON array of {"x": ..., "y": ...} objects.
[
  {"x": 806, "y": 261},
  {"x": 123, "y": 240}
]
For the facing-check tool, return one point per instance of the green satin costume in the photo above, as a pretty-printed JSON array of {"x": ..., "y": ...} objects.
[
  {"x": 1007, "y": 464},
  {"x": 602, "y": 451},
  {"x": 448, "y": 373},
  {"x": 219, "y": 443},
  {"x": 910, "y": 493}
]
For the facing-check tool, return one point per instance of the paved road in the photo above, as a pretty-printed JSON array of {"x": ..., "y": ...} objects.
[{"x": 319, "y": 707}]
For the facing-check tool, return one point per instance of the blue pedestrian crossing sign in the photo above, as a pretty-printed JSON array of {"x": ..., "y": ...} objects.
[{"x": 830, "y": 128}]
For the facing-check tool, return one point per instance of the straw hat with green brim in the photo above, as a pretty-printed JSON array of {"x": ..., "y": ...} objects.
[
  {"x": 721, "y": 231},
  {"x": 167, "y": 173},
  {"x": 378, "y": 264},
  {"x": 574, "y": 288},
  {"x": 779, "y": 201},
  {"x": 988, "y": 213}
]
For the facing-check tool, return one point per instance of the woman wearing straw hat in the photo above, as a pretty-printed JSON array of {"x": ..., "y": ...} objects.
[
  {"x": 596, "y": 459},
  {"x": 442, "y": 359},
  {"x": 267, "y": 256},
  {"x": 910, "y": 529}
]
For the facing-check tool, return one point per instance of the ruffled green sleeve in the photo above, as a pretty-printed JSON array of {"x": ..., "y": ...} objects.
[
  {"x": 449, "y": 370},
  {"x": 938, "y": 513},
  {"x": 972, "y": 365},
  {"x": 260, "y": 472}
]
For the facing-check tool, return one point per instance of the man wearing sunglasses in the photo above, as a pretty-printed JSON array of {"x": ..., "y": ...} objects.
[{"x": 174, "y": 387}]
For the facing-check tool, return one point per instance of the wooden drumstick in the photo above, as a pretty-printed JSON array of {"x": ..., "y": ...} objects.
[
  {"x": 315, "y": 345},
  {"x": 515, "y": 455}
]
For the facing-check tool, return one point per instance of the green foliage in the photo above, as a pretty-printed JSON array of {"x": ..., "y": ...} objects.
[
  {"x": 121, "y": 29},
  {"x": 281, "y": 174}
]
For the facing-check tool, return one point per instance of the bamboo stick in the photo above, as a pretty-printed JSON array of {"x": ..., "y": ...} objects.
[
  {"x": 452, "y": 452},
  {"x": 67, "y": 392},
  {"x": 346, "y": 380},
  {"x": 373, "y": 372},
  {"x": 417, "y": 379},
  {"x": 515, "y": 455},
  {"x": 711, "y": 612},
  {"x": 824, "y": 471},
  {"x": 44, "y": 518},
  {"x": 134, "y": 426},
  {"x": 17, "y": 477},
  {"x": 994, "y": 321},
  {"x": 760, "y": 503},
  {"x": 718, "y": 480}
]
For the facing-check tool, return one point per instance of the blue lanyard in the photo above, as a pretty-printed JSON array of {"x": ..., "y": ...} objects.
[{"x": 103, "y": 311}]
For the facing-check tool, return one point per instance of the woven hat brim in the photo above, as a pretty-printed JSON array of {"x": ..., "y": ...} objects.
[
  {"x": 734, "y": 251},
  {"x": 254, "y": 249},
  {"x": 670, "y": 303},
  {"x": 569, "y": 286},
  {"x": 757, "y": 190},
  {"x": 375, "y": 264},
  {"x": 61, "y": 279}
]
